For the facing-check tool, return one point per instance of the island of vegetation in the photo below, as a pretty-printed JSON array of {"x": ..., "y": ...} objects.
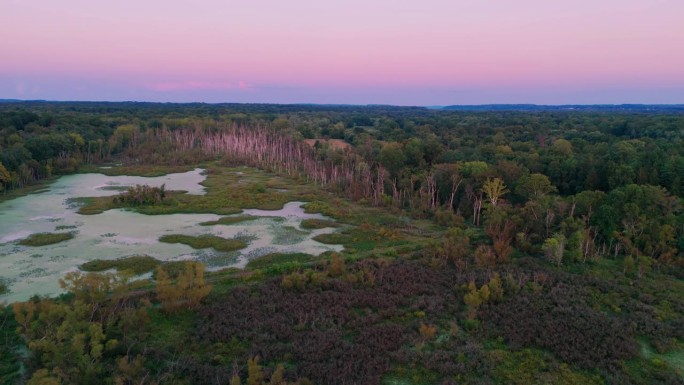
[
  {"x": 486, "y": 246},
  {"x": 44, "y": 239},
  {"x": 205, "y": 242},
  {"x": 136, "y": 264}
]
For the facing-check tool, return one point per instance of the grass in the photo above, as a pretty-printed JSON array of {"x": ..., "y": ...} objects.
[
  {"x": 318, "y": 224},
  {"x": 531, "y": 366},
  {"x": 205, "y": 242},
  {"x": 270, "y": 260},
  {"x": 371, "y": 239},
  {"x": 65, "y": 227},
  {"x": 138, "y": 264},
  {"x": 43, "y": 239},
  {"x": 673, "y": 358},
  {"x": 230, "y": 220},
  {"x": 136, "y": 170}
]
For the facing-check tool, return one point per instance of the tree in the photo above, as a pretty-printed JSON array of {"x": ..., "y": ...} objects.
[
  {"x": 413, "y": 150},
  {"x": 562, "y": 147},
  {"x": 456, "y": 246},
  {"x": 188, "y": 290},
  {"x": 255, "y": 374},
  {"x": 392, "y": 158},
  {"x": 534, "y": 186},
  {"x": 5, "y": 177},
  {"x": 494, "y": 189},
  {"x": 554, "y": 248},
  {"x": 473, "y": 300}
]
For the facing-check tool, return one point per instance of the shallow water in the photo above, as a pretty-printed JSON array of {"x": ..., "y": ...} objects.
[{"x": 118, "y": 233}]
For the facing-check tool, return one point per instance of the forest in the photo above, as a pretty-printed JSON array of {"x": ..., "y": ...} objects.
[{"x": 489, "y": 245}]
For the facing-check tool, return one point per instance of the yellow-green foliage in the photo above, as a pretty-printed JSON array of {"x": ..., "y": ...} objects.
[
  {"x": 186, "y": 292},
  {"x": 489, "y": 292},
  {"x": 71, "y": 339},
  {"x": 336, "y": 267},
  {"x": 300, "y": 280},
  {"x": 256, "y": 375}
]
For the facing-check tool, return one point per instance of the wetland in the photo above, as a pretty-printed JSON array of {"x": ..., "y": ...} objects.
[{"x": 45, "y": 235}]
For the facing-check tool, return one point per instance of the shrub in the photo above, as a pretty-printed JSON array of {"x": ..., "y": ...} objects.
[{"x": 141, "y": 195}]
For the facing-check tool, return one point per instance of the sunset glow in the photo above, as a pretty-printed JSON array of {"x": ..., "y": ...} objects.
[{"x": 395, "y": 52}]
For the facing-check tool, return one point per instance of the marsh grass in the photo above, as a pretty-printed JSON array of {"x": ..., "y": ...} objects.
[
  {"x": 65, "y": 227},
  {"x": 230, "y": 220},
  {"x": 205, "y": 242},
  {"x": 288, "y": 235},
  {"x": 219, "y": 259},
  {"x": 270, "y": 260},
  {"x": 43, "y": 239},
  {"x": 314, "y": 223},
  {"x": 136, "y": 170},
  {"x": 138, "y": 264}
]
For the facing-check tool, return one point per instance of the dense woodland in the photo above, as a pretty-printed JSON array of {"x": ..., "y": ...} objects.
[{"x": 556, "y": 252}]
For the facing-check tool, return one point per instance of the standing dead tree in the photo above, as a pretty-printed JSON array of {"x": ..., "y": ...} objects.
[{"x": 265, "y": 148}]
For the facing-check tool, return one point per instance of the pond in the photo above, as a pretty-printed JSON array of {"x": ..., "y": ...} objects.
[{"x": 118, "y": 233}]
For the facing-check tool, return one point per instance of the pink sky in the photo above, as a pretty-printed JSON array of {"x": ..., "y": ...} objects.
[{"x": 344, "y": 51}]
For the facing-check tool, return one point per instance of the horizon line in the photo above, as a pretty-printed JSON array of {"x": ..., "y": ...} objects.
[{"x": 429, "y": 106}]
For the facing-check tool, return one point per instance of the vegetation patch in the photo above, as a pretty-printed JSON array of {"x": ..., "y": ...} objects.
[
  {"x": 324, "y": 208},
  {"x": 333, "y": 239},
  {"x": 220, "y": 259},
  {"x": 65, "y": 227},
  {"x": 205, "y": 242},
  {"x": 230, "y": 220},
  {"x": 288, "y": 235},
  {"x": 273, "y": 259},
  {"x": 314, "y": 223},
  {"x": 228, "y": 192},
  {"x": 673, "y": 358},
  {"x": 141, "y": 195},
  {"x": 144, "y": 170},
  {"x": 529, "y": 366},
  {"x": 10, "y": 346},
  {"x": 43, "y": 239},
  {"x": 138, "y": 264}
]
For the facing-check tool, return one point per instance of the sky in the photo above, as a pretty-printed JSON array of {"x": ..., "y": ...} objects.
[{"x": 423, "y": 52}]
